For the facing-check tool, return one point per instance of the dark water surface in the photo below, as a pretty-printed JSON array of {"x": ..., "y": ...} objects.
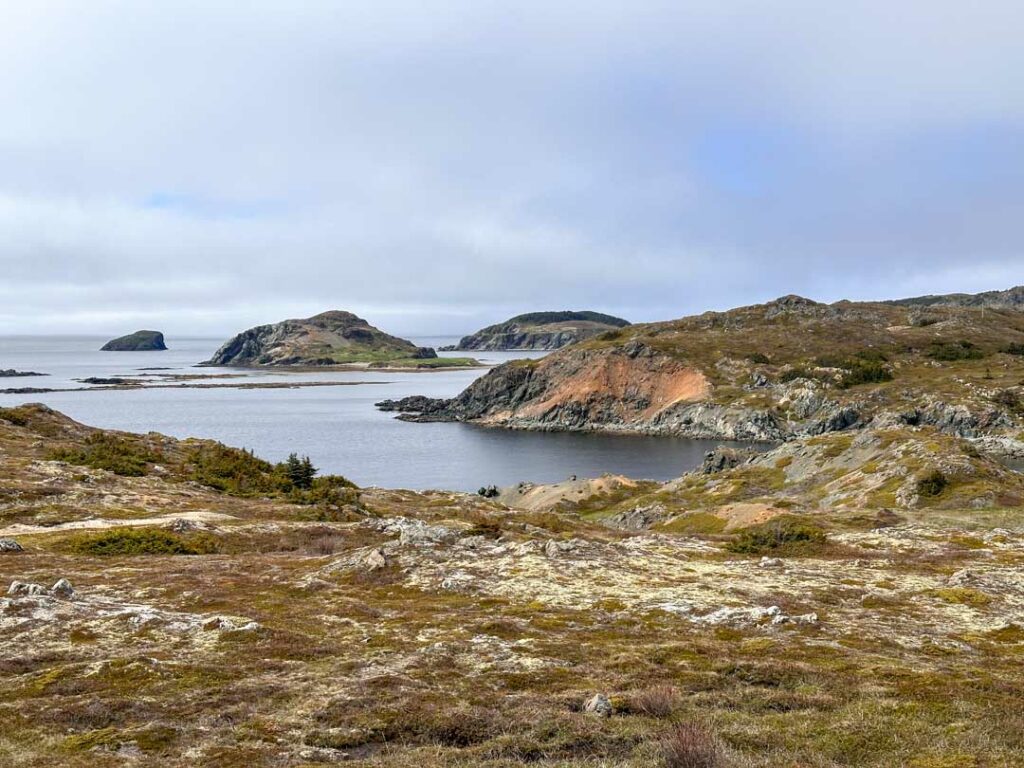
[{"x": 337, "y": 426}]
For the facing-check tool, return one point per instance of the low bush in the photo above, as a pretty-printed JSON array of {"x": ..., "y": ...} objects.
[
  {"x": 103, "y": 450},
  {"x": 658, "y": 701},
  {"x": 140, "y": 541},
  {"x": 240, "y": 473},
  {"x": 792, "y": 374},
  {"x": 783, "y": 534},
  {"x": 234, "y": 471},
  {"x": 954, "y": 350},
  {"x": 690, "y": 745},
  {"x": 864, "y": 372},
  {"x": 1016, "y": 348},
  {"x": 1009, "y": 399},
  {"x": 932, "y": 484}
]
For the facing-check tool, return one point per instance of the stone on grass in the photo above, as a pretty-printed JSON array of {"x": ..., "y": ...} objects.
[
  {"x": 599, "y": 705},
  {"x": 62, "y": 588}
]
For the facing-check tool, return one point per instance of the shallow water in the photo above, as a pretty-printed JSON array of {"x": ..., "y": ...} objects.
[{"x": 337, "y": 426}]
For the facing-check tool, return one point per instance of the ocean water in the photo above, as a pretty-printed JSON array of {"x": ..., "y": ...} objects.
[{"x": 337, "y": 426}]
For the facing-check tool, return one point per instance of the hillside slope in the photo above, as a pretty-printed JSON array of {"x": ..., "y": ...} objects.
[
  {"x": 766, "y": 372},
  {"x": 179, "y": 603}
]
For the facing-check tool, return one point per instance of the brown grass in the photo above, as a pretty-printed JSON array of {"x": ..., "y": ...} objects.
[{"x": 690, "y": 745}]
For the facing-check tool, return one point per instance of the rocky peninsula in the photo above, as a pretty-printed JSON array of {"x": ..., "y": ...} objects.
[
  {"x": 140, "y": 341},
  {"x": 540, "y": 331},
  {"x": 769, "y": 372}
]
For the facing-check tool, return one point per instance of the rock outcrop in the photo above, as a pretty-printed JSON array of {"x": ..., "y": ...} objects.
[
  {"x": 330, "y": 338},
  {"x": 1012, "y": 298},
  {"x": 11, "y": 373},
  {"x": 140, "y": 341},
  {"x": 540, "y": 331}
]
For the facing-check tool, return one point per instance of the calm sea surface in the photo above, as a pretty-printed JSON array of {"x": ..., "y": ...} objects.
[{"x": 337, "y": 426}]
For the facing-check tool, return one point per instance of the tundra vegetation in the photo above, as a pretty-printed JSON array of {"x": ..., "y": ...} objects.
[{"x": 848, "y": 599}]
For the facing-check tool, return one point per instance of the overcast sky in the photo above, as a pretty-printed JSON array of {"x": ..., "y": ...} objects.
[{"x": 200, "y": 167}]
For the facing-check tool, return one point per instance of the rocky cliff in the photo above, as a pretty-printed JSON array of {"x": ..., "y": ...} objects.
[
  {"x": 764, "y": 373},
  {"x": 541, "y": 331},
  {"x": 330, "y": 338},
  {"x": 140, "y": 341}
]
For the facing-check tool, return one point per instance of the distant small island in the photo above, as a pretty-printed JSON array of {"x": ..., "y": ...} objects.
[
  {"x": 10, "y": 372},
  {"x": 540, "y": 331},
  {"x": 328, "y": 339},
  {"x": 140, "y": 341}
]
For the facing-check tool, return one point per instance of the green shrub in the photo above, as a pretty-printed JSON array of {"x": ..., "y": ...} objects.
[
  {"x": 1015, "y": 348},
  {"x": 234, "y": 471},
  {"x": 791, "y": 374},
  {"x": 759, "y": 358},
  {"x": 954, "y": 350},
  {"x": 140, "y": 541},
  {"x": 783, "y": 534},
  {"x": 864, "y": 372},
  {"x": 103, "y": 450},
  {"x": 932, "y": 484},
  {"x": 13, "y": 416},
  {"x": 1009, "y": 399}
]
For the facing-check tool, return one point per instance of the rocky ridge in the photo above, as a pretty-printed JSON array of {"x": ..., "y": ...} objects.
[
  {"x": 330, "y": 338},
  {"x": 540, "y": 331}
]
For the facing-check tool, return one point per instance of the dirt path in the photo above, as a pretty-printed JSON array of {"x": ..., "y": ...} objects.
[{"x": 198, "y": 516}]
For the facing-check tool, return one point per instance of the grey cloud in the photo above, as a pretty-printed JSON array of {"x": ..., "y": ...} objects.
[{"x": 200, "y": 166}]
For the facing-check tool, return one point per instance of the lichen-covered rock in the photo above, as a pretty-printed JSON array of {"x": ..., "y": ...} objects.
[
  {"x": 62, "y": 588},
  {"x": 598, "y": 704}
]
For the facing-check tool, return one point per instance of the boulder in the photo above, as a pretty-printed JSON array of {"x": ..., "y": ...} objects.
[
  {"x": 62, "y": 588},
  {"x": 10, "y": 545},
  {"x": 598, "y": 704},
  {"x": 25, "y": 589}
]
